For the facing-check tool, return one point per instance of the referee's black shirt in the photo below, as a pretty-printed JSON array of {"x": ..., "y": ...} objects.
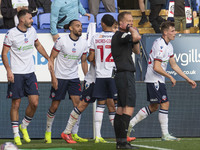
[{"x": 121, "y": 48}]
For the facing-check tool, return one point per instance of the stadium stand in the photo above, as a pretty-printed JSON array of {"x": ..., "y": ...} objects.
[
  {"x": 102, "y": 8},
  {"x": 146, "y": 28},
  {"x": 85, "y": 5},
  {"x": 44, "y": 21},
  {"x": 99, "y": 16},
  {"x": 85, "y": 22},
  {"x": 35, "y": 22}
]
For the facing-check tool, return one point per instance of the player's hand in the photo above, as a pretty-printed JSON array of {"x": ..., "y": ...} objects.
[
  {"x": 192, "y": 83},
  {"x": 194, "y": 14},
  {"x": 173, "y": 81},
  {"x": 10, "y": 76},
  {"x": 54, "y": 83},
  {"x": 167, "y": 12},
  {"x": 24, "y": 7},
  {"x": 19, "y": 8},
  {"x": 50, "y": 65},
  {"x": 88, "y": 16}
]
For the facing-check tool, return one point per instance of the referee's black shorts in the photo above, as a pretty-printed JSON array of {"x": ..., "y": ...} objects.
[{"x": 125, "y": 83}]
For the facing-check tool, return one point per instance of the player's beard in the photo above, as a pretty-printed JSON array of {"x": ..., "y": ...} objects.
[
  {"x": 27, "y": 25},
  {"x": 78, "y": 34}
]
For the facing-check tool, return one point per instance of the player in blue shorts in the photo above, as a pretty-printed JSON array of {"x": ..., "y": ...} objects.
[
  {"x": 68, "y": 50},
  {"x": 20, "y": 41},
  {"x": 88, "y": 96},
  {"x": 161, "y": 53},
  {"x": 104, "y": 88}
]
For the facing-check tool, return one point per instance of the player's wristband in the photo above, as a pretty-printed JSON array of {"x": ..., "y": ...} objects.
[
  {"x": 127, "y": 28},
  {"x": 136, "y": 42}
]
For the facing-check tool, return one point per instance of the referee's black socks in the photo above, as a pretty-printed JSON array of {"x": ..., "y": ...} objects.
[{"x": 121, "y": 123}]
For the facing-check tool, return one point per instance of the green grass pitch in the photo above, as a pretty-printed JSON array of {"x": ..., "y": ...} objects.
[{"x": 142, "y": 143}]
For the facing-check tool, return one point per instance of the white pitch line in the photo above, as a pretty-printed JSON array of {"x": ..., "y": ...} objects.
[
  {"x": 146, "y": 146},
  {"x": 150, "y": 147}
]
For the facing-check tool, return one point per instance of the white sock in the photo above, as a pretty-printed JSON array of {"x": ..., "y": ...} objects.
[
  {"x": 50, "y": 119},
  {"x": 111, "y": 117},
  {"x": 72, "y": 120},
  {"x": 98, "y": 119},
  {"x": 25, "y": 122},
  {"x": 115, "y": 106},
  {"x": 15, "y": 127},
  {"x": 142, "y": 114},
  {"x": 76, "y": 126},
  {"x": 163, "y": 119}
]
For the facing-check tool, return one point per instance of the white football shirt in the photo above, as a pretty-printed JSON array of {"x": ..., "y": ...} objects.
[
  {"x": 91, "y": 74},
  {"x": 104, "y": 63},
  {"x": 70, "y": 52},
  {"x": 21, "y": 49},
  {"x": 160, "y": 51}
]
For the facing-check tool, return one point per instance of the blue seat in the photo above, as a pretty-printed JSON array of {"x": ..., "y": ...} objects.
[
  {"x": 84, "y": 20},
  {"x": 99, "y": 16},
  {"x": 44, "y": 20},
  {"x": 35, "y": 22},
  {"x": 85, "y": 5},
  {"x": 102, "y": 8},
  {"x": 40, "y": 10}
]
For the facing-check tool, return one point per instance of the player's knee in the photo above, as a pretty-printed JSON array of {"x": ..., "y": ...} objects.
[
  {"x": 15, "y": 106},
  {"x": 34, "y": 104},
  {"x": 153, "y": 107},
  {"x": 111, "y": 108}
]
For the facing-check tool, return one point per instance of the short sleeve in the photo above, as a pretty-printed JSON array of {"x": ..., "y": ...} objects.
[
  {"x": 58, "y": 45},
  {"x": 171, "y": 51},
  {"x": 35, "y": 34},
  {"x": 8, "y": 39},
  {"x": 92, "y": 44},
  {"x": 85, "y": 48},
  {"x": 124, "y": 37},
  {"x": 158, "y": 52}
]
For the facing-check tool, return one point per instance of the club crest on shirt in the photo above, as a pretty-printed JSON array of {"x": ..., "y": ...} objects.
[
  {"x": 73, "y": 50},
  {"x": 164, "y": 97},
  {"x": 26, "y": 40}
]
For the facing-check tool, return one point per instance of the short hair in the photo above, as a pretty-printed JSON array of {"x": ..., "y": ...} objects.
[
  {"x": 22, "y": 13},
  {"x": 122, "y": 14},
  {"x": 66, "y": 26},
  {"x": 165, "y": 25},
  {"x": 108, "y": 20}
]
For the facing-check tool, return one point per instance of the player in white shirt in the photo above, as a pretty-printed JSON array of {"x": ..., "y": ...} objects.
[
  {"x": 160, "y": 55},
  {"x": 20, "y": 41},
  {"x": 68, "y": 50},
  {"x": 104, "y": 88}
]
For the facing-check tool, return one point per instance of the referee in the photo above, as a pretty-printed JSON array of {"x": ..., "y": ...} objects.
[{"x": 122, "y": 46}]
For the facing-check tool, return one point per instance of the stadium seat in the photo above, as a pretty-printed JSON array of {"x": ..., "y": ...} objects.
[
  {"x": 35, "y": 22},
  {"x": 85, "y": 5},
  {"x": 99, "y": 16},
  {"x": 84, "y": 20},
  {"x": 40, "y": 10},
  {"x": 44, "y": 20},
  {"x": 102, "y": 8}
]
